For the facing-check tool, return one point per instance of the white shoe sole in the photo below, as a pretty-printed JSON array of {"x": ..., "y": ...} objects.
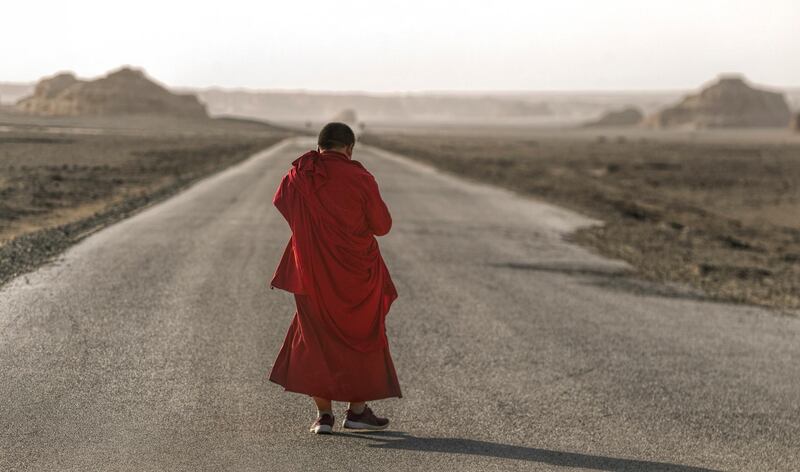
[
  {"x": 356, "y": 425},
  {"x": 322, "y": 429}
]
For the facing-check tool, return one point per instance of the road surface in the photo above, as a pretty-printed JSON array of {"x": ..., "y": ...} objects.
[{"x": 146, "y": 346}]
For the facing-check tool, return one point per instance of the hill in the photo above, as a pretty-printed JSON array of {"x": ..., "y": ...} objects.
[
  {"x": 125, "y": 91},
  {"x": 727, "y": 103},
  {"x": 629, "y": 116}
]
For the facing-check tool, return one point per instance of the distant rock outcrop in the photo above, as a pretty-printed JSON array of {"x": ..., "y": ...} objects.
[
  {"x": 347, "y": 115},
  {"x": 796, "y": 122},
  {"x": 629, "y": 116},
  {"x": 122, "y": 92},
  {"x": 728, "y": 103}
]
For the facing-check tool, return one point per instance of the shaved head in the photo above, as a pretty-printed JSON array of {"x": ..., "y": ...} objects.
[{"x": 336, "y": 135}]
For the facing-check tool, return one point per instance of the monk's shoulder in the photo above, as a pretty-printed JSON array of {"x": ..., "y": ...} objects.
[
  {"x": 357, "y": 164},
  {"x": 352, "y": 169},
  {"x": 364, "y": 176}
]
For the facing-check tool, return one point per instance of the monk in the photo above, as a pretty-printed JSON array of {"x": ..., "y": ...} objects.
[{"x": 336, "y": 348}]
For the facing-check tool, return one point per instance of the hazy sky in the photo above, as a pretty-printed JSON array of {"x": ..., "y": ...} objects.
[{"x": 408, "y": 45}]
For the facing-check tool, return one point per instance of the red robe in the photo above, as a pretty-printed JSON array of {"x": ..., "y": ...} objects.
[{"x": 336, "y": 347}]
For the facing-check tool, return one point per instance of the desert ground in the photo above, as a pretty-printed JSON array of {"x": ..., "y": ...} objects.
[
  {"x": 147, "y": 345},
  {"x": 715, "y": 210},
  {"x": 61, "y": 178},
  {"x": 634, "y": 325},
  {"x": 718, "y": 211}
]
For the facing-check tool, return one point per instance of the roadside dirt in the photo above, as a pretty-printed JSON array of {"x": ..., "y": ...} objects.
[
  {"x": 57, "y": 185},
  {"x": 719, "y": 217}
]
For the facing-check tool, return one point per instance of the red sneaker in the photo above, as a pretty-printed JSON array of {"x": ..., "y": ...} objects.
[
  {"x": 323, "y": 425},
  {"x": 365, "y": 420}
]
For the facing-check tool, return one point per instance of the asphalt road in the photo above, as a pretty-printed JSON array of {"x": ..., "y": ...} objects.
[{"x": 147, "y": 345}]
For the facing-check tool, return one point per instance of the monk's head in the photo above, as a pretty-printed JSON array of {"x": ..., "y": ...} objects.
[{"x": 337, "y": 137}]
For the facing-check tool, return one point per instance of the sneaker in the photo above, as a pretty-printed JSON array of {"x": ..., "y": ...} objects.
[
  {"x": 323, "y": 425},
  {"x": 366, "y": 420}
]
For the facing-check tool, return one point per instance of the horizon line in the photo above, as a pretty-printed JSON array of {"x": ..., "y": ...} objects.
[{"x": 454, "y": 92}]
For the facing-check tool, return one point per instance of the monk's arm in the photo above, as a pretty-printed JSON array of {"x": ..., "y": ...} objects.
[
  {"x": 378, "y": 217},
  {"x": 281, "y": 199}
]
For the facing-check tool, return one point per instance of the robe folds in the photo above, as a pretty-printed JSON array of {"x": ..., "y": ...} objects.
[{"x": 336, "y": 346}]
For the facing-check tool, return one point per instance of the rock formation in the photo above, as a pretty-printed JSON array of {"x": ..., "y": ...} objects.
[
  {"x": 629, "y": 116},
  {"x": 122, "y": 92},
  {"x": 728, "y": 103},
  {"x": 347, "y": 115},
  {"x": 796, "y": 122}
]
